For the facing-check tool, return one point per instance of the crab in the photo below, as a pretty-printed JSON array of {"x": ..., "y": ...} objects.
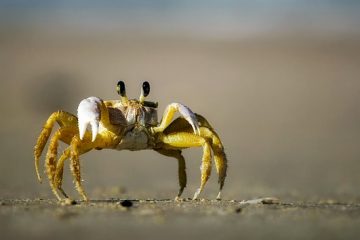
[{"x": 126, "y": 124}]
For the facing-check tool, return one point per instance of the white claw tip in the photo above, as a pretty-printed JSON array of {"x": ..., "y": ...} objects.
[
  {"x": 89, "y": 114},
  {"x": 189, "y": 116},
  {"x": 94, "y": 129},
  {"x": 82, "y": 128},
  {"x": 197, "y": 130}
]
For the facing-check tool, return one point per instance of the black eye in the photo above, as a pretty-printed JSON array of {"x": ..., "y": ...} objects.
[
  {"x": 146, "y": 88},
  {"x": 120, "y": 88}
]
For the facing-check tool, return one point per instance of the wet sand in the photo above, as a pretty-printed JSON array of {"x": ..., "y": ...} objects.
[{"x": 169, "y": 219}]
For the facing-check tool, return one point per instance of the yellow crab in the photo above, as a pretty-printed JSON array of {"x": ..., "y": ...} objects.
[{"x": 132, "y": 125}]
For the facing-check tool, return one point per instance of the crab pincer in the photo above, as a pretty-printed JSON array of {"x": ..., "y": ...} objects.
[{"x": 89, "y": 113}]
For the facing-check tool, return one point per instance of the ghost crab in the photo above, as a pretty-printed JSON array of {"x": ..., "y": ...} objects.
[{"x": 132, "y": 125}]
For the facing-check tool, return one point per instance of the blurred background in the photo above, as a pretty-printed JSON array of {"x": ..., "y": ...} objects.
[{"x": 278, "y": 80}]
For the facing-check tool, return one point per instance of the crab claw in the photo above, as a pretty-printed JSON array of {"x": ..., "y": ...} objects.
[
  {"x": 189, "y": 116},
  {"x": 89, "y": 114}
]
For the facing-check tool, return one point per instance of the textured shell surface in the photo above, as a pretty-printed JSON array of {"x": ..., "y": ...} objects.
[
  {"x": 137, "y": 118},
  {"x": 134, "y": 113},
  {"x": 136, "y": 139}
]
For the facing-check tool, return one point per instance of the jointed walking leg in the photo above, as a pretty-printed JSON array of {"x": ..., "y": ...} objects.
[{"x": 181, "y": 167}]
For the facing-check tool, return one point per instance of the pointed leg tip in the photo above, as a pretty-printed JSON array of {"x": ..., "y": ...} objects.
[
  {"x": 39, "y": 177},
  {"x": 178, "y": 199},
  {"x": 67, "y": 202},
  {"x": 218, "y": 197},
  {"x": 85, "y": 198},
  {"x": 196, "y": 195}
]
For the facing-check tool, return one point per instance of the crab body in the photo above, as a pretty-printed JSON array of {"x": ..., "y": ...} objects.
[{"x": 128, "y": 125}]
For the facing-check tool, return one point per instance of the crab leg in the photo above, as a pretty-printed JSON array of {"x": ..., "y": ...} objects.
[
  {"x": 60, "y": 170},
  {"x": 51, "y": 165},
  {"x": 169, "y": 114},
  {"x": 205, "y": 168},
  {"x": 75, "y": 166},
  {"x": 206, "y": 131},
  {"x": 73, "y": 152},
  {"x": 78, "y": 147},
  {"x": 219, "y": 156},
  {"x": 181, "y": 167},
  {"x": 50, "y": 162},
  {"x": 63, "y": 119},
  {"x": 185, "y": 140}
]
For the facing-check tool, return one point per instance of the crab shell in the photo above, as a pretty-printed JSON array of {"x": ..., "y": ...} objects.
[
  {"x": 134, "y": 113},
  {"x": 136, "y": 119}
]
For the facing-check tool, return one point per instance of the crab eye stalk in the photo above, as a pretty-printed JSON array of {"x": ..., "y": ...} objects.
[
  {"x": 145, "y": 90},
  {"x": 121, "y": 90}
]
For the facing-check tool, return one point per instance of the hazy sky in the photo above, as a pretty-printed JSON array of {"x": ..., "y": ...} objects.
[
  {"x": 172, "y": 3},
  {"x": 208, "y": 18}
]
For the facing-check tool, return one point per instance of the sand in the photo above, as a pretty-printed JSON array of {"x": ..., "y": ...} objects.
[{"x": 169, "y": 219}]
